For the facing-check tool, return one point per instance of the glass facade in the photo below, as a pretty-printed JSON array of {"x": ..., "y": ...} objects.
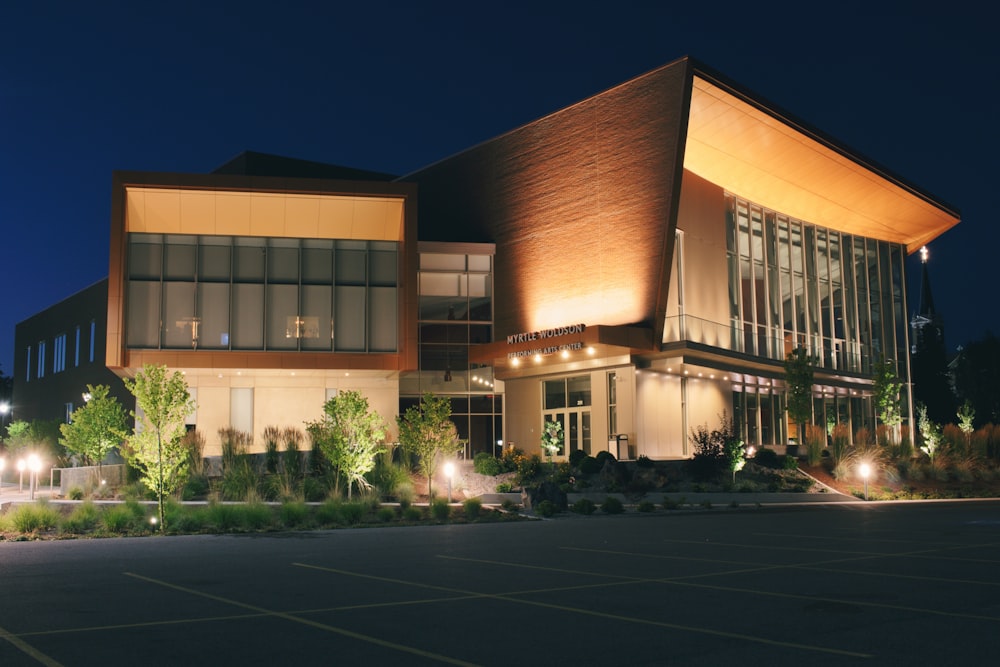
[
  {"x": 256, "y": 293},
  {"x": 456, "y": 311},
  {"x": 793, "y": 284}
]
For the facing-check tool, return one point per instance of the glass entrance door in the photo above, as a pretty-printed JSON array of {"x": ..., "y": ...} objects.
[{"x": 575, "y": 429}]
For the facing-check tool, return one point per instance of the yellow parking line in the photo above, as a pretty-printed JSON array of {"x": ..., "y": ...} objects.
[
  {"x": 507, "y": 597},
  {"x": 28, "y": 649},
  {"x": 304, "y": 621}
]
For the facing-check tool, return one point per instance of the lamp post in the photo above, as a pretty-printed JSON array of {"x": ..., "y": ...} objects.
[
  {"x": 865, "y": 471},
  {"x": 449, "y": 472},
  {"x": 34, "y": 465},
  {"x": 21, "y": 465}
]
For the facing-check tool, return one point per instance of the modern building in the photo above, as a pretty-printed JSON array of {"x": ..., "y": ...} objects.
[
  {"x": 59, "y": 351},
  {"x": 663, "y": 245},
  {"x": 633, "y": 266}
]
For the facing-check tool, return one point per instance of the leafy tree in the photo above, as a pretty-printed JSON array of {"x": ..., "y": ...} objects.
[
  {"x": 735, "y": 455},
  {"x": 96, "y": 427},
  {"x": 350, "y": 436},
  {"x": 157, "y": 447},
  {"x": 40, "y": 436},
  {"x": 885, "y": 387},
  {"x": 799, "y": 366},
  {"x": 427, "y": 431},
  {"x": 930, "y": 432},
  {"x": 966, "y": 414}
]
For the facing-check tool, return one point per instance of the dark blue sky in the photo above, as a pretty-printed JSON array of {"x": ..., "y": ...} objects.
[{"x": 393, "y": 86}]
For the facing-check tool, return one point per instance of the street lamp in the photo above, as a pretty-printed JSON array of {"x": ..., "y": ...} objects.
[
  {"x": 5, "y": 410},
  {"x": 865, "y": 471},
  {"x": 21, "y": 465},
  {"x": 35, "y": 465},
  {"x": 449, "y": 472}
]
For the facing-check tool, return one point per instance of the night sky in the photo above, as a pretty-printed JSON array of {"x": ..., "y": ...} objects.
[{"x": 394, "y": 86}]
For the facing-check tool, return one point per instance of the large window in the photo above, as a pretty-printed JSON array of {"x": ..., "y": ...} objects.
[
  {"x": 254, "y": 293},
  {"x": 793, "y": 284}
]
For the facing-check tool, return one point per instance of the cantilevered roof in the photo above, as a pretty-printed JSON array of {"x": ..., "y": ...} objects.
[{"x": 759, "y": 153}]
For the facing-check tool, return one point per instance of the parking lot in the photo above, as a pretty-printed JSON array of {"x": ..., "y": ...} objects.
[{"x": 857, "y": 583}]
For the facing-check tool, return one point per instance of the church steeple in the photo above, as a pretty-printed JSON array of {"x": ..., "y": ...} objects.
[{"x": 928, "y": 360}]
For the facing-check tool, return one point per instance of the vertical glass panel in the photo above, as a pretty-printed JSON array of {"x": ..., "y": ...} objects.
[
  {"x": 214, "y": 259},
  {"x": 382, "y": 319},
  {"x": 480, "y": 333},
  {"x": 143, "y": 320},
  {"x": 283, "y": 327},
  {"x": 283, "y": 261},
  {"x": 480, "y": 263},
  {"x": 213, "y": 312},
  {"x": 383, "y": 265},
  {"x": 480, "y": 298},
  {"x": 179, "y": 257},
  {"x": 145, "y": 258},
  {"x": 349, "y": 319},
  {"x": 442, "y": 262},
  {"x": 578, "y": 388},
  {"x": 350, "y": 266},
  {"x": 248, "y": 260},
  {"x": 317, "y": 262},
  {"x": 317, "y": 308},
  {"x": 248, "y": 317},
  {"x": 554, "y": 392},
  {"x": 241, "y": 409},
  {"x": 178, "y": 315}
]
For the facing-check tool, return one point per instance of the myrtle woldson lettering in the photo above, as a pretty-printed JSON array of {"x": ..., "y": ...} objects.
[{"x": 529, "y": 336}]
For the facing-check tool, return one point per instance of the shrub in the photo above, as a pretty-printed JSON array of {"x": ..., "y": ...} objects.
[
  {"x": 815, "y": 443},
  {"x": 529, "y": 468},
  {"x": 505, "y": 487},
  {"x": 644, "y": 462},
  {"x": 33, "y": 518},
  {"x": 791, "y": 463},
  {"x": 328, "y": 513},
  {"x": 604, "y": 456},
  {"x": 440, "y": 509},
  {"x": 293, "y": 514},
  {"x": 485, "y": 463},
  {"x": 353, "y": 512},
  {"x": 576, "y": 456},
  {"x": 195, "y": 487},
  {"x": 413, "y": 514},
  {"x": 612, "y": 505},
  {"x": 188, "y": 520},
  {"x": 546, "y": 508},
  {"x": 473, "y": 507},
  {"x": 314, "y": 489},
  {"x": 82, "y": 519},
  {"x": 510, "y": 506},
  {"x": 767, "y": 458},
  {"x": 589, "y": 466},
  {"x": 119, "y": 519},
  {"x": 75, "y": 493},
  {"x": 258, "y": 516},
  {"x": 646, "y": 506},
  {"x": 709, "y": 459},
  {"x": 584, "y": 506},
  {"x": 225, "y": 517},
  {"x": 291, "y": 458},
  {"x": 239, "y": 480},
  {"x": 388, "y": 478}
]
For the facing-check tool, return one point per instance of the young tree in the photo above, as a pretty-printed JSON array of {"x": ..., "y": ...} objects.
[
  {"x": 966, "y": 414},
  {"x": 428, "y": 432},
  {"x": 930, "y": 432},
  {"x": 96, "y": 427},
  {"x": 799, "y": 378},
  {"x": 350, "y": 436},
  {"x": 885, "y": 389},
  {"x": 157, "y": 447}
]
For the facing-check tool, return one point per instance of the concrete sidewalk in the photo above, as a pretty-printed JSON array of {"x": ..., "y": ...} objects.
[{"x": 12, "y": 492}]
